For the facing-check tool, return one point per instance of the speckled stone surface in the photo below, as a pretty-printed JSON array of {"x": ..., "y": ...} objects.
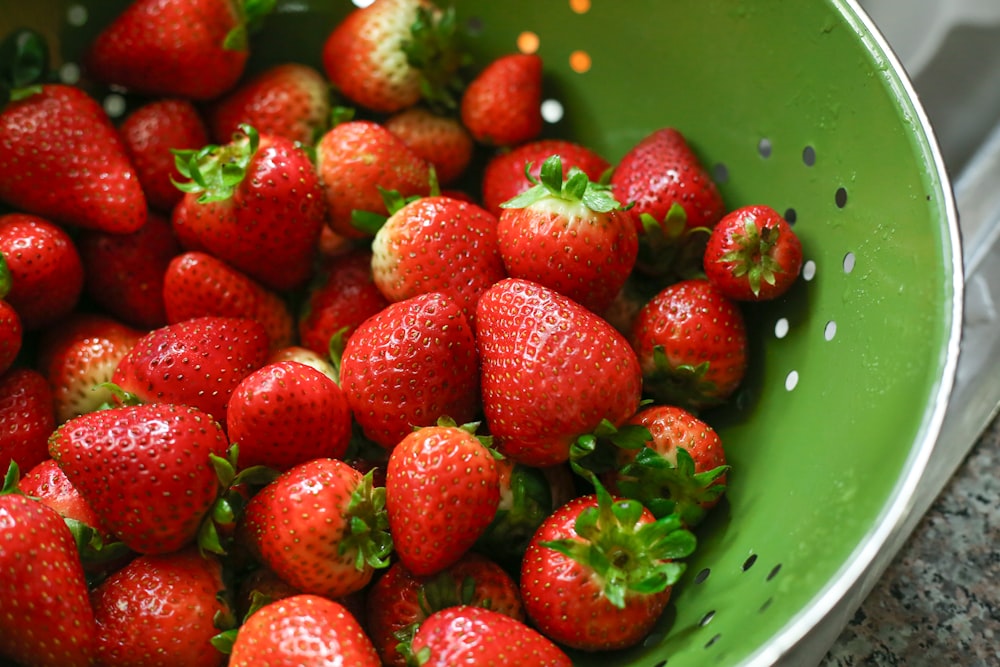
[{"x": 938, "y": 603}]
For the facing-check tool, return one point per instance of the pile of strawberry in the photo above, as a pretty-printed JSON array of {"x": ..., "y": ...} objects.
[{"x": 351, "y": 365}]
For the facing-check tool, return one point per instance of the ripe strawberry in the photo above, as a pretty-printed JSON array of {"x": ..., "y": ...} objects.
[
  {"x": 291, "y": 100},
  {"x": 479, "y": 637},
  {"x": 196, "y": 284},
  {"x": 502, "y": 105},
  {"x": 45, "y": 616},
  {"x": 286, "y": 413},
  {"x": 126, "y": 462},
  {"x": 196, "y": 362},
  {"x": 438, "y": 139},
  {"x": 323, "y": 632},
  {"x": 692, "y": 344},
  {"x": 123, "y": 273},
  {"x": 263, "y": 217},
  {"x": 504, "y": 175},
  {"x": 359, "y": 159},
  {"x": 62, "y": 159},
  {"x": 46, "y": 273},
  {"x": 438, "y": 244},
  {"x": 321, "y": 527},
  {"x": 49, "y": 484},
  {"x": 261, "y": 586},
  {"x": 569, "y": 235},
  {"x": 552, "y": 371},
  {"x": 11, "y": 335},
  {"x": 161, "y": 610},
  {"x": 26, "y": 418},
  {"x": 149, "y": 133},
  {"x": 409, "y": 365},
  {"x": 753, "y": 254},
  {"x": 599, "y": 571}
]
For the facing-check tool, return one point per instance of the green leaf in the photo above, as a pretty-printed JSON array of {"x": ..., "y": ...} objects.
[
  {"x": 11, "y": 479},
  {"x": 24, "y": 60},
  {"x": 552, "y": 174}
]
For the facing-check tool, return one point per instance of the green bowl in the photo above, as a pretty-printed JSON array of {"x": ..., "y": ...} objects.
[{"x": 801, "y": 106}]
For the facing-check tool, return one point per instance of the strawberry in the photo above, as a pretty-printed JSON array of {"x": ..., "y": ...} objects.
[
  {"x": 552, "y": 371},
  {"x": 479, "y": 637},
  {"x": 161, "y": 610},
  {"x": 357, "y": 160},
  {"x": 409, "y": 365},
  {"x": 291, "y": 100},
  {"x": 196, "y": 362},
  {"x": 692, "y": 344},
  {"x": 256, "y": 203},
  {"x": 286, "y": 413},
  {"x": 438, "y": 244},
  {"x": 123, "y": 273},
  {"x": 569, "y": 235},
  {"x": 321, "y": 527},
  {"x": 196, "y": 284},
  {"x": 441, "y": 492},
  {"x": 502, "y": 105},
  {"x": 195, "y": 49},
  {"x": 302, "y": 630},
  {"x": 62, "y": 159},
  {"x": 149, "y": 133},
  {"x": 599, "y": 571},
  {"x": 26, "y": 417},
  {"x": 399, "y": 600},
  {"x": 46, "y": 273},
  {"x": 504, "y": 175},
  {"x": 49, "y": 484},
  {"x": 80, "y": 355},
  {"x": 753, "y": 254},
  {"x": 45, "y": 617},
  {"x": 438, "y": 139},
  {"x": 11, "y": 335},
  {"x": 259, "y": 586}
]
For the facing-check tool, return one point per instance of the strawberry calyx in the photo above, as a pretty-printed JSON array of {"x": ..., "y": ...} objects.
[
  {"x": 434, "y": 48},
  {"x": 11, "y": 479},
  {"x": 577, "y": 188},
  {"x": 370, "y": 222},
  {"x": 683, "y": 385},
  {"x": 751, "y": 256},
  {"x": 251, "y": 16},
  {"x": 440, "y": 592},
  {"x": 215, "y": 534},
  {"x": 595, "y": 452},
  {"x": 667, "y": 488},
  {"x": 5, "y": 277},
  {"x": 626, "y": 557},
  {"x": 24, "y": 65},
  {"x": 216, "y": 171},
  {"x": 668, "y": 248},
  {"x": 508, "y": 535},
  {"x": 368, "y": 526}
]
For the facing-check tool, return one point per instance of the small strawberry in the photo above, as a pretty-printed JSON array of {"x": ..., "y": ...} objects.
[
  {"x": 569, "y": 235},
  {"x": 26, "y": 417},
  {"x": 11, "y": 335},
  {"x": 753, "y": 254},
  {"x": 691, "y": 342},
  {"x": 409, "y": 365},
  {"x": 322, "y": 632},
  {"x": 502, "y": 105},
  {"x": 440, "y": 140},
  {"x": 49, "y": 484}
]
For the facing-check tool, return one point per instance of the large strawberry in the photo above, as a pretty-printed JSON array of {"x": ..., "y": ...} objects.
[
  {"x": 552, "y": 371},
  {"x": 145, "y": 469},
  {"x": 27, "y": 417},
  {"x": 502, "y": 106},
  {"x": 255, "y": 203},
  {"x": 61, "y": 158},
  {"x": 439, "y": 139}
]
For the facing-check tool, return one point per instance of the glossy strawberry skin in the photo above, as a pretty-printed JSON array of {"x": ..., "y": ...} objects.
[
  {"x": 27, "y": 418},
  {"x": 440, "y": 140},
  {"x": 11, "y": 335},
  {"x": 47, "y": 482},
  {"x": 501, "y": 106}
]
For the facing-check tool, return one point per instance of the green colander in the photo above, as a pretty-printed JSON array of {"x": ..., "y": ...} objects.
[{"x": 798, "y": 105}]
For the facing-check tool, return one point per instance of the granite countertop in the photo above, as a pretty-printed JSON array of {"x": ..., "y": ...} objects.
[{"x": 938, "y": 602}]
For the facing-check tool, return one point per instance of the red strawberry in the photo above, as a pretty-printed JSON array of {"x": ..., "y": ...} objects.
[
  {"x": 197, "y": 284},
  {"x": 291, "y": 100},
  {"x": 149, "y": 133},
  {"x": 409, "y": 365},
  {"x": 264, "y": 217},
  {"x": 286, "y": 413},
  {"x": 321, "y": 527},
  {"x": 45, "y": 616},
  {"x": 753, "y": 254},
  {"x": 504, "y": 176},
  {"x": 26, "y": 418},
  {"x": 145, "y": 470},
  {"x": 323, "y": 632},
  {"x": 479, "y": 637},
  {"x": 599, "y": 571},
  {"x": 161, "y": 610},
  {"x": 358, "y": 159},
  {"x": 438, "y": 244},
  {"x": 193, "y": 49},
  {"x": 123, "y": 273},
  {"x": 196, "y": 362},
  {"x": 441, "y": 492},
  {"x": 569, "y": 235},
  {"x": 440, "y": 140},
  {"x": 62, "y": 159},
  {"x": 47, "y": 482},
  {"x": 46, "y": 273},
  {"x": 692, "y": 344},
  {"x": 11, "y": 335},
  {"x": 502, "y": 106},
  {"x": 261, "y": 585}
]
